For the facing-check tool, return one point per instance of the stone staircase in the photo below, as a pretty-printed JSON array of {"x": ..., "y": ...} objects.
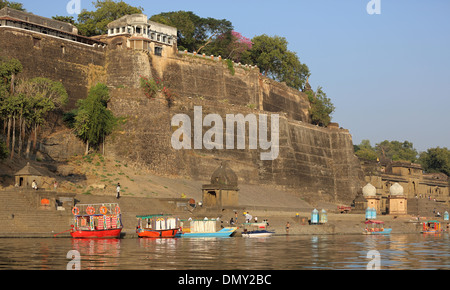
[{"x": 20, "y": 218}]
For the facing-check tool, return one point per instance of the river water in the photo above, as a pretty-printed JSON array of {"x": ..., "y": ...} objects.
[{"x": 414, "y": 251}]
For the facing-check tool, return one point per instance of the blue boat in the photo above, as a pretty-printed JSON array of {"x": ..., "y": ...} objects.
[
  {"x": 375, "y": 227},
  {"x": 205, "y": 228}
]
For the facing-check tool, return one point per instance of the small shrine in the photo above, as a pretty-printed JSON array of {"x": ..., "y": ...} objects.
[
  {"x": 223, "y": 190},
  {"x": 397, "y": 200},
  {"x": 25, "y": 177},
  {"x": 370, "y": 195}
]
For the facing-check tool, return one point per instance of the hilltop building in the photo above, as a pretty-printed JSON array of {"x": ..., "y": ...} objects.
[
  {"x": 20, "y": 20},
  {"x": 137, "y": 32}
]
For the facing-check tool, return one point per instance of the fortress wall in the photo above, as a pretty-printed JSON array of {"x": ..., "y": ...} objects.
[
  {"x": 315, "y": 161},
  {"x": 194, "y": 77},
  {"x": 124, "y": 67},
  {"x": 76, "y": 65}
]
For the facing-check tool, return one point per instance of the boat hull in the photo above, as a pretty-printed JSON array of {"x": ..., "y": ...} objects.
[
  {"x": 431, "y": 232},
  {"x": 384, "y": 232},
  {"x": 223, "y": 233},
  {"x": 157, "y": 233},
  {"x": 104, "y": 234},
  {"x": 257, "y": 234}
]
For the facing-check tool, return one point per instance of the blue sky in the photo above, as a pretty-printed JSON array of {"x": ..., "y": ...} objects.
[{"x": 387, "y": 74}]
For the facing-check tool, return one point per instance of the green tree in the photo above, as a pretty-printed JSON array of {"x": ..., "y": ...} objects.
[
  {"x": 321, "y": 107},
  {"x": 9, "y": 69},
  {"x": 11, "y": 4},
  {"x": 365, "y": 151},
  {"x": 93, "y": 121},
  {"x": 272, "y": 56},
  {"x": 92, "y": 23},
  {"x": 36, "y": 98},
  {"x": 436, "y": 160},
  {"x": 396, "y": 151},
  {"x": 194, "y": 32},
  {"x": 68, "y": 19}
]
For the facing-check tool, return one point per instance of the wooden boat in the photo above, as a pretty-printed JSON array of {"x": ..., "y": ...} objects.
[
  {"x": 431, "y": 227},
  {"x": 256, "y": 230},
  {"x": 205, "y": 228},
  {"x": 376, "y": 227},
  {"x": 157, "y": 226},
  {"x": 96, "y": 221}
]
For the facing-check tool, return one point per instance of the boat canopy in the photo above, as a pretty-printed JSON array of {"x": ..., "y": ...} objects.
[
  {"x": 374, "y": 222},
  {"x": 151, "y": 216},
  {"x": 96, "y": 209},
  {"x": 158, "y": 222},
  {"x": 256, "y": 225}
]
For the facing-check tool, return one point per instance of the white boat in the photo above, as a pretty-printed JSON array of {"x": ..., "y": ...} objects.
[
  {"x": 205, "y": 228},
  {"x": 256, "y": 230}
]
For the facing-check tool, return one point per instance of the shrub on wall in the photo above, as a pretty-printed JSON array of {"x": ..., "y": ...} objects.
[{"x": 152, "y": 86}]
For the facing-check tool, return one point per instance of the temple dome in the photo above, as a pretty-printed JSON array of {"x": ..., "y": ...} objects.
[
  {"x": 396, "y": 189},
  {"x": 224, "y": 175},
  {"x": 369, "y": 190}
]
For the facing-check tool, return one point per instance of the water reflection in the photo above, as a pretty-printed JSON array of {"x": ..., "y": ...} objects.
[
  {"x": 101, "y": 254},
  {"x": 274, "y": 253}
]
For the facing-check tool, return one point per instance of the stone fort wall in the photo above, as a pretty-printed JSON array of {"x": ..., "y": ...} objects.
[
  {"x": 76, "y": 65},
  {"x": 316, "y": 161},
  {"x": 312, "y": 160}
]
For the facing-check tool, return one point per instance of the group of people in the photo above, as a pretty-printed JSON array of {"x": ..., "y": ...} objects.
[{"x": 247, "y": 217}]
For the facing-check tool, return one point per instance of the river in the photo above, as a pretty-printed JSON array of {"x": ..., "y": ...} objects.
[{"x": 394, "y": 252}]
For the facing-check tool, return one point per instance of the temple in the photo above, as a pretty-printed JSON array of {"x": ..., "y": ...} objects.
[{"x": 223, "y": 190}]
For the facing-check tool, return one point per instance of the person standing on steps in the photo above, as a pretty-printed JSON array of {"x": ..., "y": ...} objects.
[{"x": 118, "y": 191}]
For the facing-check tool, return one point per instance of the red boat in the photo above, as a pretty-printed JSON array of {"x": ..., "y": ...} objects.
[
  {"x": 89, "y": 224},
  {"x": 157, "y": 226},
  {"x": 98, "y": 234}
]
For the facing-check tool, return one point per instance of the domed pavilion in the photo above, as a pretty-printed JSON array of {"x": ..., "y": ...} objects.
[
  {"x": 398, "y": 203},
  {"x": 372, "y": 199}
]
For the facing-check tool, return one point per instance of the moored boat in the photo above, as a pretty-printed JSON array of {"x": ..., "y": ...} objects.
[
  {"x": 205, "y": 228},
  {"x": 376, "y": 227},
  {"x": 99, "y": 221},
  {"x": 431, "y": 227},
  {"x": 157, "y": 226},
  {"x": 256, "y": 230}
]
